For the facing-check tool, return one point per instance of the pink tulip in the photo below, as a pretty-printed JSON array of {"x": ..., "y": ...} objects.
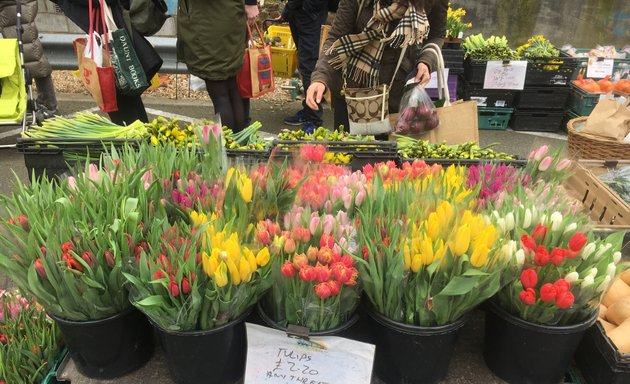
[
  {"x": 93, "y": 173},
  {"x": 314, "y": 224},
  {"x": 545, "y": 163},
  {"x": 346, "y": 197},
  {"x": 329, "y": 222},
  {"x": 563, "y": 164},
  {"x": 328, "y": 206},
  {"x": 358, "y": 200},
  {"x": 205, "y": 134},
  {"x": 540, "y": 152},
  {"x": 72, "y": 183},
  {"x": 216, "y": 130}
]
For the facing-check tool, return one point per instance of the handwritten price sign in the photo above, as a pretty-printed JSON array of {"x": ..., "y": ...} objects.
[
  {"x": 505, "y": 75},
  {"x": 275, "y": 358}
]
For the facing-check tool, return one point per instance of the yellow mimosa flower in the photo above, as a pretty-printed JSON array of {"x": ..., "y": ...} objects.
[
  {"x": 234, "y": 272},
  {"x": 245, "y": 270},
  {"x": 262, "y": 257},
  {"x": 479, "y": 256},
  {"x": 220, "y": 276},
  {"x": 462, "y": 240},
  {"x": 251, "y": 259}
]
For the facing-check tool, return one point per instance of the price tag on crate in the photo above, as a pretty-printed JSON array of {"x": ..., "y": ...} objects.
[
  {"x": 508, "y": 74},
  {"x": 599, "y": 67},
  {"x": 273, "y": 357}
]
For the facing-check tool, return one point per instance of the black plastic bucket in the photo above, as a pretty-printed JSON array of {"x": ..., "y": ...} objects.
[
  {"x": 412, "y": 354},
  {"x": 216, "y": 356},
  {"x": 344, "y": 330},
  {"x": 111, "y": 347},
  {"x": 521, "y": 352}
]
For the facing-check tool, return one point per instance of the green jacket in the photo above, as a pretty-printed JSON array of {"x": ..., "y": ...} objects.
[{"x": 211, "y": 37}]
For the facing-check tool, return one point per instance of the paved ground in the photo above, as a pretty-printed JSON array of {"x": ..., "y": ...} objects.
[{"x": 467, "y": 365}]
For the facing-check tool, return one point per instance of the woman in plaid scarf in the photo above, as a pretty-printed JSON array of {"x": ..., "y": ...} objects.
[{"x": 364, "y": 46}]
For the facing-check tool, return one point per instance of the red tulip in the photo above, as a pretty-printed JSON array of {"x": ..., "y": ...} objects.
[
  {"x": 39, "y": 268},
  {"x": 353, "y": 280},
  {"x": 185, "y": 286},
  {"x": 326, "y": 241},
  {"x": 287, "y": 269},
  {"x": 335, "y": 287},
  {"x": 43, "y": 249},
  {"x": 109, "y": 258},
  {"x": 564, "y": 299},
  {"x": 23, "y": 220},
  {"x": 341, "y": 273},
  {"x": 173, "y": 288},
  {"x": 577, "y": 242},
  {"x": 366, "y": 253},
  {"x": 164, "y": 262},
  {"x": 307, "y": 273},
  {"x": 528, "y": 297},
  {"x": 323, "y": 290},
  {"x": 71, "y": 262},
  {"x": 300, "y": 260},
  {"x": 528, "y": 243},
  {"x": 289, "y": 245},
  {"x": 557, "y": 256},
  {"x": 347, "y": 260},
  {"x": 158, "y": 275},
  {"x": 548, "y": 292},
  {"x": 323, "y": 273},
  {"x": 529, "y": 278},
  {"x": 88, "y": 258},
  {"x": 562, "y": 285},
  {"x": 539, "y": 234},
  {"x": 263, "y": 237},
  {"x": 541, "y": 257},
  {"x": 66, "y": 247}
]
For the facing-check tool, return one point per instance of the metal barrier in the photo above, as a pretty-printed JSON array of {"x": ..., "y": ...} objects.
[{"x": 60, "y": 52}]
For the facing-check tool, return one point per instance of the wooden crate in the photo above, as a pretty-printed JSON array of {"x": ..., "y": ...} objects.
[{"x": 607, "y": 210}]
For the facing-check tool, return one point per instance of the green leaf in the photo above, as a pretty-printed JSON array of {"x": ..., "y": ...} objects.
[
  {"x": 92, "y": 283},
  {"x": 475, "y": 272},
  {"x": 153, "y": 301},
  {"x": 460, "y": 285}
]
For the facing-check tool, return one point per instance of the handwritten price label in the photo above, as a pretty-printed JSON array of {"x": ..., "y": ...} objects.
[
  {"x": 599, "y": 68},
  {"x": 274, "y": 358},
  {"x": 505, "y": 75}
]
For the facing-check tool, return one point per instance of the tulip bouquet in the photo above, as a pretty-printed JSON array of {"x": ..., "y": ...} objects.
[
  {"x": 275, "y": 188},
  {"x": 315, "y": 283},
  {"x": 389, "y": 172},
  {"x": 559, "y": 274},
  {"x": 546, "y": 165},
  {"x": 197, "y": 278},
  {"x": 426, "y": 258},
  {"x": 64, "y": 244},
  {"x": 29, "y": 341}
]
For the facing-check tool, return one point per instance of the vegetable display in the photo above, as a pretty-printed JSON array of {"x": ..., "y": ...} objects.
[
  {"x": 411, "y": 148},
  {"x": 602, "y": 86},
  {"x": 494, "y": 48},
  {"x": 86, "y": 126}
]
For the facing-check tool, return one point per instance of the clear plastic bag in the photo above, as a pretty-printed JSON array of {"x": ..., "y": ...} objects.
[
  {"x": 417, "y": 112},
  {"x": 619, "y": 181}
]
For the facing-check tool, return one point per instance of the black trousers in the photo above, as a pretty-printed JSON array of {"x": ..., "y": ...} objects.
[{"x": 306, "y": 30}]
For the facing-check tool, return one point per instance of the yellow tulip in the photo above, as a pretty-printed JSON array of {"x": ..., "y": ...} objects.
[
  {"x": 251, "y": 259},
  {"x": 228, "y": 176},
  {"x": 198, "y": 218},
  {"x": 462, "y": 240},
  {"x": 462, "y": 195},
  {"x": 426, "y": 250},
  {"x": 262, "y": 257},
  {"x": 406, "y": 257},
  {"x": 416, "y": 263},
  {"x": 441, "y": 250},
  {"x": 245, "y": 188},
  {"x": 205, "y": 262},
  {"x": 220, "y": 277},
  {"x": 234, "y": 273},
  {"x": 433, "y": 226},
  {"x": 245, "y": 270},
  {"x": 479, "y": 256}
]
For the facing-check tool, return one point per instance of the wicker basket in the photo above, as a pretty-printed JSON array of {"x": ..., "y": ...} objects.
[{"x": 587, "y": 146}]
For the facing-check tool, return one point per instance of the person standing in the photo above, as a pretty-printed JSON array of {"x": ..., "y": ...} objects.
[
  {"x": 35, "y": 61},
  {"x": 211, "y": 39},
  {"x": 306, "y": 18},
  {"x": 130, "y": 107}
]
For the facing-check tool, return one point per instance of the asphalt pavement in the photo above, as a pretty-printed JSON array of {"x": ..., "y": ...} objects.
[{"x": 467, "y": 365}]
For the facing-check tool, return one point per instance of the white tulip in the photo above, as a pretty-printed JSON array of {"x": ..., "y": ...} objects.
[
  {"x": 604, "y": 285},
  {"x": 509, "y": 221},
  {"x": 501, "y": 225},
  {"x": 534, "y": 214},
  {"x": 496, "y": 214},
  {"x": 570, "y": 228},
  {"x": 588, "y": 280},
  {"x": 603, "y": 249},
  {"x": 593, "y": 272},
  {"x": 611, "y": 270},
  {"x": 543, "y": 219},
  {"x": 588, "y": 250},
  {"x": 572, "y": 277},
  {"x": 508, "y": 249},
  {"x": 527, "y": 220},
  {"x": 556, "y": 221},
  {"x": 520, "y": 257},
  {"x": 617, "y": 257}
]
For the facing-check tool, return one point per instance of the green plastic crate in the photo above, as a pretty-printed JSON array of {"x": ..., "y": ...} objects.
[
  {"x": 620, "y": 66},
  {"x": 494, "y": 118},
  {"x": 582, "y": 102},
  {"x": 51, "y": 375}
]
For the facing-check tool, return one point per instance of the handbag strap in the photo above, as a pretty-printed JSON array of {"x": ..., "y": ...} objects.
[
  {"x": 250, "y": 36},
  {"x": 443, "y": 91}
]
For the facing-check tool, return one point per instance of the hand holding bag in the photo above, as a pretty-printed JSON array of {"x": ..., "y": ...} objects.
[
  {"x": 130, "y": 77},
  {"x": 95, "y": 67},
  {"x": 256, "y": 76}
]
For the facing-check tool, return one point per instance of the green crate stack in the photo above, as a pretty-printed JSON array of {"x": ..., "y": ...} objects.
[
  {"x": 494, "y": 118},
  {"x": 581, "y": 102}
]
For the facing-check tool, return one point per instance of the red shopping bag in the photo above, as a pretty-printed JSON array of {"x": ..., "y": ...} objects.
[
  {"x": 97, "y": 75},
  {"x": 256, "y": 77}
]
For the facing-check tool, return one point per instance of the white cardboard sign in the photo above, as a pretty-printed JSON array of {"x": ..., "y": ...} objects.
[
  {"x": 433, "y": 83},
  {"x": 275, "y": 358},
  {"x": 599, "y": 68},
  {"x": 505, "y": 75}
]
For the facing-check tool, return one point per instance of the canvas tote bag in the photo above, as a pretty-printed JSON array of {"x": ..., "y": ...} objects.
[
  {"x": 458, "y": 120},
  {"x": 95, "y": 68},
  {"x": 256, "y": 76}
]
